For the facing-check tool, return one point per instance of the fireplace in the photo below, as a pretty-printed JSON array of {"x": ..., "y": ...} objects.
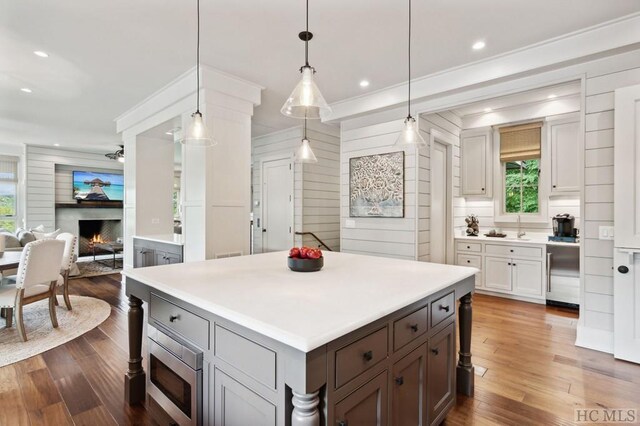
[{"x": 97, "y": 231}]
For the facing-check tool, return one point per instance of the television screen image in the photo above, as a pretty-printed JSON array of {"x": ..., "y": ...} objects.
[{"x": 90, "y": 186}]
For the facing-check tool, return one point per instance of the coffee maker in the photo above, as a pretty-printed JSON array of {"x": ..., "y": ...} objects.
[{"x": 563, "y": 228}]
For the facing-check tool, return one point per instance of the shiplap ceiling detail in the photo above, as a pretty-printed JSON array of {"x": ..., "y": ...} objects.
[{"x": 106, "y": 56}]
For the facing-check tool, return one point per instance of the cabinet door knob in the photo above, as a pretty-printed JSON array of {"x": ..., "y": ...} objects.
[
  {"x": 554, "y": 186},
  {"x": 468, "y": 261},
  {"x": 469, "y": 247},
  {"x": 482, "y": 189},
  {"x": 444, "y": 308},
  {"x": 511, "y": 250},
  {"x": 513, "y": 264},
  {"x": 368, "y": 356},
  {"x": 399, "y": 381},
  {"x": 172, "y": 318},
  {"x": 414, "y": 327},
  {"x": 623, "y": 269},
  {"x": 435, "y": 351},
  {"x": 509, "y": 263}
]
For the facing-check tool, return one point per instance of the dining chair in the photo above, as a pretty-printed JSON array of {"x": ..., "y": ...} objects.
[
  {"x": 36, "y": 280},
  {"x": 67, "y": 261}
]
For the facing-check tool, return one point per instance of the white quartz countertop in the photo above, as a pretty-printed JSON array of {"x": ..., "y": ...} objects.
[
  {"x": 533, "y": 239},
  {"x": 302, "y": 310},
  {"x": 176, "y": 239}
]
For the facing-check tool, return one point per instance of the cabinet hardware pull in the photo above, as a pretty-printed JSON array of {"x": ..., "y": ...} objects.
[
  {"x": 399, "y": 381},
  {"x": 469, "y": 247},
  {"x": 513, "y": 264},
  {"x": 482, "y": 189},
  {"x": 623, "y": 269},
  {"x": 511, "y": 250},
  {"x": 435, "y": 351},
  {"x": 554, "y": 186},
  {"x": 172, "y": 318},
  {"x": 509, "y": 263},
  {"x": 444, "y": 308},
  {"x": 468, "y": 261},
  {"x": 414, "y": 327},
  {"x": 368, "y": 356}
]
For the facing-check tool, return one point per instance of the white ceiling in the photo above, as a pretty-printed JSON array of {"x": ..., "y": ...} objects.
[{"x": 106, "y": 56}]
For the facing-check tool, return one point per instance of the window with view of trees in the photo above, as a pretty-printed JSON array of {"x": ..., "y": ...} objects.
[
  {"x": 8, "y": 192},
  {"x": 521, "y": 186},
  {"x": 520, "y": 153}
]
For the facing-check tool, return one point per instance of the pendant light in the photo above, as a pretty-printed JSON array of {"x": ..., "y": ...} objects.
[
  {"x": 410, "y": 135},
  {"x": 306, "y": 101},
  {"x": 197, "y": 133},
  {"x": 305, "y": 153}
]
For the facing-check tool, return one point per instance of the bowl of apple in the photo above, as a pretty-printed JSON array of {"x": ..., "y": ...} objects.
[{"x": 305, "y": 259}]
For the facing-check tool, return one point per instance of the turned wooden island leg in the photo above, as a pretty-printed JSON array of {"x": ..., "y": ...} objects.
[
  {"x": 305, "y": 409},
  {"x": 135, "y": 379},
  {"x": 465, "y": 369}
]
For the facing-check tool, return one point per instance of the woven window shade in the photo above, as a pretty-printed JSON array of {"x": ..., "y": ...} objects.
[
  {"x": 8, "y": 168},
  {"x": 520, "y": 142}
]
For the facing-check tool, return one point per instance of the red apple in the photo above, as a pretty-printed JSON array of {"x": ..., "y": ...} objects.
[
  {"x": 294, "y": 252},
  {"x": 314, "y": 254}
]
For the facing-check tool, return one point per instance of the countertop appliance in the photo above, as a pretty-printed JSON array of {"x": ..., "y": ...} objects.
[
  {"x": 563, "y": 225},
  {"x": 175, "y": 376}
]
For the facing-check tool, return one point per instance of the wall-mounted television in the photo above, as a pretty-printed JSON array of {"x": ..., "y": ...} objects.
[{"x": 92, "y": 186}]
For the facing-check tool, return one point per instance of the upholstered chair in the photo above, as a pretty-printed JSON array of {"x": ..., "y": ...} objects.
[
  {"x": 67, "y": 261},
  {"x": 36, "y": 280}
]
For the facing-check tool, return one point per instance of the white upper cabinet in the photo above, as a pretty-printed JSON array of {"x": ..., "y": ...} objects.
[
  {"x": 475, "y": 163},
  {"x": 564, "y": 147}
]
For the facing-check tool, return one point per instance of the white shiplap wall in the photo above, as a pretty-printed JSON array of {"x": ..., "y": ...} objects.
[
  {"x": 316, "y": 186},
  {"x": 388, "y": 237},
  {"x": 40, "y": 179},
  {"x": 450, "y": 124}
]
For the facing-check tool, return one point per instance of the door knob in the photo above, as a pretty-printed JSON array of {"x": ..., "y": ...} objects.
[
  {"x": 264, "y": 229},
  {"x": 623, "y": 269}
]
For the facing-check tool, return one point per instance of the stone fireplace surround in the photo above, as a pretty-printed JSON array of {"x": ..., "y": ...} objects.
[{"x": 68, "y": 218}]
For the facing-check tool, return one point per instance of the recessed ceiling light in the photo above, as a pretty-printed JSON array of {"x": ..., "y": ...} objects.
[
  {"x": 364, "y": 83},
  {"x": 552, "y": 96},
  {"x": 478, "y": 45},
  {"x": 169, "y": 133},
  {"x": 488, "y": 110},
  {"x": 41, "y": 53},
  {"x": 56, "y": 144},
  {"x": 26, "y": 90}
]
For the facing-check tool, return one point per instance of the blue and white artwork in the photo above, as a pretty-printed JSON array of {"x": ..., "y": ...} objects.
[{"x": 376, "y": 185}]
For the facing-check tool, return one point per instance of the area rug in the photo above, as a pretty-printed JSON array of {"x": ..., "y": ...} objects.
[
  {"x": 87, "y": 314},
  {"x": 94, "y": 269}
]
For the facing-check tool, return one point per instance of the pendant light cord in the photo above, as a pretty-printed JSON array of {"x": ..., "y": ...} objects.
[
  {"x": 198, "y": 62},
  {"x": 306, "y": 41},
  {"x": 409, "y": 85}
]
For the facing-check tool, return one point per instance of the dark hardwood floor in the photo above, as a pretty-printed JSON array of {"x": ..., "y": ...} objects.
[{"x": 528, "y": 370}]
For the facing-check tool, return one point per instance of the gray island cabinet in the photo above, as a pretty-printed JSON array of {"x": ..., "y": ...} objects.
[{"x": 364, "y": 341}]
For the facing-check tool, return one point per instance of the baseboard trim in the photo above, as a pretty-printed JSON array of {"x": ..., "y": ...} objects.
[{"x": 592, "y": 338}]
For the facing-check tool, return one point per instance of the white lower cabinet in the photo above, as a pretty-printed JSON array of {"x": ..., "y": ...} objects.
[
  {"x": 512, "y": 269},
  {"x": 497, "y": 273},
  {"x": 527, "y": 277}
]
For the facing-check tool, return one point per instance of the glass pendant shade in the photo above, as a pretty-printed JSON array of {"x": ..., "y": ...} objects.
[
  {"x": 306, "y": 101},
  {"x": 304, "y": 153},
  {"x": 410, "y": 135},
  {"x": 197, "y": 133}
]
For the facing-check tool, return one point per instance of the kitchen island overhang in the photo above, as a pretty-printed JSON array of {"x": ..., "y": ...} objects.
[{"x": 315, "y": 335}]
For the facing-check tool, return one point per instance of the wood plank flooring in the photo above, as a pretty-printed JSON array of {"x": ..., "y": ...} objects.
[{"x": 528, "y": 370}]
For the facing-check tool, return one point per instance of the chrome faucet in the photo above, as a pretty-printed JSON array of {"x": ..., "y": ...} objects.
[{"x": 520, "y": 232}]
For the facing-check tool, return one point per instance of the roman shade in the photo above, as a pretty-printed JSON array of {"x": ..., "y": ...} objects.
[
  {"x": 8, "y": 168},
  {"x": 521, "y": 142}
]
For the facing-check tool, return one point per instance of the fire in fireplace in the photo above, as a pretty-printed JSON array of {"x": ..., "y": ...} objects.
[{"x": 97, "y": 231}]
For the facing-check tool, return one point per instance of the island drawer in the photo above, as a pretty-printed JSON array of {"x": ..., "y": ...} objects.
[
  {"x": 465, "y": 246},
  {"x": 180, "y": 321},
  {"x": 442, "y": 308},
  {"x": 360, "y": 355},
  {"x": 246, "y": 355},
  {"x": 470, "y": 260},
  {"x": 514, "y": 250},
  {"x": 411, "y": 326}
]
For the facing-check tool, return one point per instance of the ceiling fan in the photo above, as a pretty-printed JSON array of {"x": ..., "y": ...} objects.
[{"x": 118, "y": 155}]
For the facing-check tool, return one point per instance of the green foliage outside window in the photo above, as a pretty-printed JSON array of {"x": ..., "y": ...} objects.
[
  {"x": 521, "y": 186},
  {"x": 7, "y": 208}
]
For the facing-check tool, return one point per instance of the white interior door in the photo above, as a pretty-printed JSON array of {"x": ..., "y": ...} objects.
[
  {"x": 440, "y": 203},
  {"x": 626, "y": 279},
  {"x": 277, "y": 214}
]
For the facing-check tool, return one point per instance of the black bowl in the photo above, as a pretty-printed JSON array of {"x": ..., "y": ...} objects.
[{"x": 305, "y": 265}]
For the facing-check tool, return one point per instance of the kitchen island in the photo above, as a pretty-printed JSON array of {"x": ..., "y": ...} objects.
[{"x": 366, "y": 340}]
